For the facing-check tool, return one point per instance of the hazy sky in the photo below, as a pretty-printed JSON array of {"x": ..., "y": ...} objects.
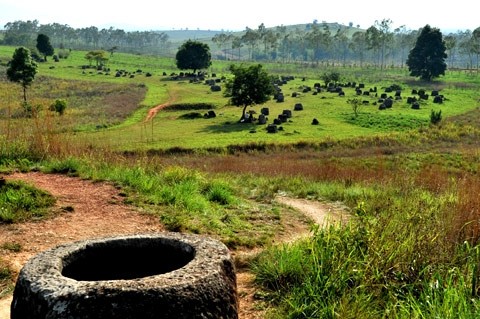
[{"x": 237, "y": 15}]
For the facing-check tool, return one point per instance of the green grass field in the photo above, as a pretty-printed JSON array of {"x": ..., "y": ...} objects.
[
  {"x": 99, "y": 121},
  {"x": 412, "y": 250}
]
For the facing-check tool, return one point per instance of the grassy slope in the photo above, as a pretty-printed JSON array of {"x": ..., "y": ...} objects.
[{"x": 334, "y": 113}]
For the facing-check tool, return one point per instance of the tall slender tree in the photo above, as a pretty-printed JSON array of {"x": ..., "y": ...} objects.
[
  {"x": 427, "y": 58},
  {"x": 22, "y": 69}
]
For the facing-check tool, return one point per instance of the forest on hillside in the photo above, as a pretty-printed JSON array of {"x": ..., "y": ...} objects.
[{"x": 319, "y": 43}]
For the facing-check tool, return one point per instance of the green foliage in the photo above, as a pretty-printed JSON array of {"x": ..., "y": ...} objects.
[
  {"x": 313, "y": 277},
  {"x": 44, "y": 46},
  {"x": 221, "y": 193},
  {"x": 193, "y": 55},
  {"x": 184, "y": 200},
  {"x": 22, "y": 69},
  {"x": 250, "y": 85},
  {"x": 330, "y": 77},
  {"x": 30, "y": 110},
  {"x": 190, "y": 106},
  {"x": 20, "y": 202},
  {"x": 12, "y": 246},
  {"x": 427, "y": 58},
  {"x": 63, "y": 54},
  {"x": 58, "y": 106},
  {"x": 356, "y": 103},
  {"x": 387, "y": 123},
  {"x": 69, "y": 166},
  {"x": 436, "y": 117},
  {"x": 99, "y": 56}
]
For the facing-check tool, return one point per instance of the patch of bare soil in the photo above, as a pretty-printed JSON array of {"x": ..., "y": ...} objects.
[
  {"x": 98, "y": 210},
  {"x": 322, "y": 214},
  {"x": 154, "y": 110}
]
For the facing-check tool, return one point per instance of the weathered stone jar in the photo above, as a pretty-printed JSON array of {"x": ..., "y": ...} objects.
[{"x": 167, "y": 275}]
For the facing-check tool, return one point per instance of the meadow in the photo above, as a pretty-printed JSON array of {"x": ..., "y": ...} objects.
[{"x": 412, "y": 250}]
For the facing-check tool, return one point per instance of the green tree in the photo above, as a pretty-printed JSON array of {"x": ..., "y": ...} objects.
[
  {"x": 328, "y": 77},
  {"x": 250, "y": 85},
  {"x": 427, "y": 58},
  {"x": 99, "y": 56},
  {"x": 358, "y": 45},
  {"x": 193, "y": 55},
  {"x": 22, "y": 69},
  {"x": 44, "y": 46}
]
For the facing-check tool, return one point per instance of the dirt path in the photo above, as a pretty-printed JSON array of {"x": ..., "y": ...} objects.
[
  {"x": 154, "y": 110},
  {"x": 98, "y": 211},
  {"x": 322, "y": 214}
]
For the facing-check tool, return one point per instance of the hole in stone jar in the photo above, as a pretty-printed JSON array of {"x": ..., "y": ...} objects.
[{"x": 126, "y": 259}]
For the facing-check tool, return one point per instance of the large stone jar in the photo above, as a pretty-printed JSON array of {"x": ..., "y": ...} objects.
[{"x": 166, "y": 275}]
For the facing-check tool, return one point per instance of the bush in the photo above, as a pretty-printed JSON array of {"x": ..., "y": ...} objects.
[
  {"x": 59, "y": 106},
  {"x": 63, "y": 54},
  {"x": 29, "y": 110},
  {"x": 220, "y": 192},
  {"x": 191, "y": 116},
  {"x": 436, "y": 117}
]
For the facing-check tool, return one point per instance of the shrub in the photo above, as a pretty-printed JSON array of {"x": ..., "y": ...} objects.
[
  {"x": 436, "y": 117},
  {"x": 28, "y": 110},
  {"x": 220, "y": 193},
  {"x": 191, "y": 116},
  {"x": 63, "y": 54},
  {"x": 59, "y": 106},
  {"x": 19, "y": 202}
]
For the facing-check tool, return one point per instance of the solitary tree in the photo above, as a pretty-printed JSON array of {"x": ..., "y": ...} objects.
[
  {"x": 99, "y": 56},
  {"x": 22, "y": 69},
  {"x": 427, "y": 58},
  {"x": 355, "y": 103},
  {"x": 44, "y": 46},
  {"x": 250, "y": 85},
  {"x": 193, "y": 55}
]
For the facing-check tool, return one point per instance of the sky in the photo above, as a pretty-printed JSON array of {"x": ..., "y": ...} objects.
[{"x": 147, "y": 15}]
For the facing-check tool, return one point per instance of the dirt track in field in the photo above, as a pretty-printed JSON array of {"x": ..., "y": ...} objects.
[{"x": 90, "y": 210}]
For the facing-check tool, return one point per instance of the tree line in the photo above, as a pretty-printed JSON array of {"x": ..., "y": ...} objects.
[
  {"x": 380, "y": 45},
  {"x": 24, "y": 33}
]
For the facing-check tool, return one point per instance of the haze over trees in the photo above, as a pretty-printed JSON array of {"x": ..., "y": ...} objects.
[
  {"x": 24, "y": 33},
  {"x": 378, "y": 46}
]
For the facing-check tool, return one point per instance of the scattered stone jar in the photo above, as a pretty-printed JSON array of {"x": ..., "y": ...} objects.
[{"x": 166, "y": 275}]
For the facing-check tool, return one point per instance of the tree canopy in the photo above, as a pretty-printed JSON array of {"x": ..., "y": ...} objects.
[
  {"x": 22, "y": 69},
  {"x": 99, "y": 56},
  {"x": 193, "y": 55},
  {"x": 427, "y": 58},
  {"x": 250, "y": 85},
  {"x": 44, "y": 46}
]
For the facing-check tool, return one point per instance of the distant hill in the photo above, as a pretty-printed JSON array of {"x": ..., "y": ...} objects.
[
  {"x": 176, "y": 36},
  {"x": 183, "y": 35}
]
